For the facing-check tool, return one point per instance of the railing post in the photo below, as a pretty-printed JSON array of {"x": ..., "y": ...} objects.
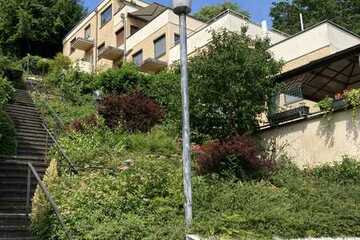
[{"x": 28, "y": 191}]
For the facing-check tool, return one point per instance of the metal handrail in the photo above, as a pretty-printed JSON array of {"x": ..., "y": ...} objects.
[
  {"x": 32, "y": 171},
  {"x": 62, "y": 152}
]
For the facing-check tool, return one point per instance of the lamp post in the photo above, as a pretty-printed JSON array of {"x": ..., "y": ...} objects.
[{"x": 182, "y": 8}]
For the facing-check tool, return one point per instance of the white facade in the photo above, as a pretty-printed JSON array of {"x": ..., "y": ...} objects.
[
  {"x": 228, "y": 20},
  {"x": 324, "y": 35}
]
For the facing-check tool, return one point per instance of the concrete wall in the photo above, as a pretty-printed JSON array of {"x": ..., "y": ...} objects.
[
  {"x": 318, "y": 140},
  {"x": 229, "y": 21}
]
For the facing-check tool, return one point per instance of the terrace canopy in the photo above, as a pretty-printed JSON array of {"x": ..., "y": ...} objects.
[{"x": 324, "y": 77}]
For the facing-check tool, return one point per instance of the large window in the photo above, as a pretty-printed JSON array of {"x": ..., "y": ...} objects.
[
  {"x": 138, "y": 58},
  {"x": 160, "y": 46},
  {"x": 88, "y": 32},
  {"x": 106, "y": 16}
]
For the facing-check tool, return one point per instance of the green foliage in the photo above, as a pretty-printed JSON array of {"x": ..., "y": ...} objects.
[
  {"x": 65, "y": 109},
  {"x": 208, "y": 12},
  {"x": 102, "y": 148},
  {"x": 36, "y": 27},
  {"x": 7, "y": 135},
  {"x": 285, "y": 14},
  {"x": 326, "y": 104},
  {"x": 121, "y": 80},
  {"x": 35, "y": 65},
  {"x": 145, "y": 202},
  {"x": 6, "y": 91},
  {"x": 230, "y": 83},
  {"x": 353, "y": 98}
]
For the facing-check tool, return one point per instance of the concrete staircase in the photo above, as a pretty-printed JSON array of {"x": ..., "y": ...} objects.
[{"x": 32, "y": 141}]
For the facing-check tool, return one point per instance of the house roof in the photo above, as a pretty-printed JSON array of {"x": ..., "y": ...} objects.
[{"x": 148, "y": 13}]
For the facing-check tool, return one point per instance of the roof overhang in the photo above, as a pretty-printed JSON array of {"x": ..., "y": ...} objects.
[
  {"x": 83, "y": 44},
  {"x": 326, "y": 76},
  {"x": 152, "y": 65},
  {"x": 111, "y": 53}
]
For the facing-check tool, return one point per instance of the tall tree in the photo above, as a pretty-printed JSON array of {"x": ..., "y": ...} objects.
[
  {"x": 36, "y": 26},
  {"x": 208, "y": 12},
  {"x": 285, "y": 14}
]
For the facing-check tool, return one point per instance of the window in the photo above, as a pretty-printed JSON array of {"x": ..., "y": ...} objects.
[
  {"x": 160, "y": 46},
  {"x": 138, "y": 58},
  {"x": 71, "y": 46},
  {"x": 106, "y": 16},
  {"x": 120, "y": 37},
  {"x": 133, "y": 29},
  {"x": 88, "y": 32},
  {"x": 293, "y": 95},
  {"x": 176, "y": 38}
]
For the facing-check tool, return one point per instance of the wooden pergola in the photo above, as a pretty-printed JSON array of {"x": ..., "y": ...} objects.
[{"x": 327, "y": 76}]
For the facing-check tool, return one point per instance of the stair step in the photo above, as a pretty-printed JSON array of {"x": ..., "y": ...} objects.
[
  {"x": 15, "y": 193},
  {"x": 32, "y": 129},
  {"x": 22, "y": 112},
  {"x": 7, "y": 219},
  {"x": 30, "y": 138},
  {"x": 31, "y": 132},
  {"x": 15, "y": 232}
]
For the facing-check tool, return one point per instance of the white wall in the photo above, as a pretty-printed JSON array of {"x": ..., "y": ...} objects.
[
  {"x": 321, "y": 36},
  {"x": 229, "y": 21},
  {"x": 340, "y": 39}
]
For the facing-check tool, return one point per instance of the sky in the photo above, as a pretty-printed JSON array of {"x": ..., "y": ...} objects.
[{"x": 259, "y": 9}]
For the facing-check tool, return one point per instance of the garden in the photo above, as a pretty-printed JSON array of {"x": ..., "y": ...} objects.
[{"x": 125, "y": 144}]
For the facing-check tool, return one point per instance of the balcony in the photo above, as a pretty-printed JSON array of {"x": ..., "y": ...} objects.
[
  {"x": 152, "y": 65},
  {"x": 111, "y": 53},
  {"x": 83, "y": 44}
]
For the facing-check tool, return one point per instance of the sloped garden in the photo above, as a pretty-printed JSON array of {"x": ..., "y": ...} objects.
[{"x": 126, "y": 147}]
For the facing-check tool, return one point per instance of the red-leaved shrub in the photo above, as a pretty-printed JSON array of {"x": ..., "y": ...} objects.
[
  {"x": 81, "y": 124},
  {"x": 240, "y": 156},
  {"x": 134, "y": 112}
]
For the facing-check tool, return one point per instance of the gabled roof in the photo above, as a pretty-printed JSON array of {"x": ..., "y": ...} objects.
[{"x": 148, "y": 13}]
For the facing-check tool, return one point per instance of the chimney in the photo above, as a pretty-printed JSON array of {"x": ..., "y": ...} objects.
[{"x": 264, "y": 27}]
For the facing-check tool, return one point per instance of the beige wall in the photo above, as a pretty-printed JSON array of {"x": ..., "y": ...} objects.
[
  {"x": 318, "y": 140},
  {"x": 303, "y": 60}
]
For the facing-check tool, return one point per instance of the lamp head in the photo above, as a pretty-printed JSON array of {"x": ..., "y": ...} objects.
[{"x": 181, "y": 6}]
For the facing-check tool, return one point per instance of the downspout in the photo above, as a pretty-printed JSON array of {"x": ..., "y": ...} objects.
[{"x": 96, "y": 40}]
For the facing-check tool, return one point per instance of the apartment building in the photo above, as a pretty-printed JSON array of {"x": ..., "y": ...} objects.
[
  {"x": 146, "y": 34},
  {"x": 145, "y": 31}
]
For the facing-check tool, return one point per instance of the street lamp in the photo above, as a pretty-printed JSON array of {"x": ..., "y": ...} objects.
[{"x": 182, "y": 8}]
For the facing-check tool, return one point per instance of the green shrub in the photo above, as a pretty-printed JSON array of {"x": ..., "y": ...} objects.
[
  {"x": 121, "y": 80},
  {"x": 35, "y": 65},
  {"x": 345, "y": 172},
  {"x": 73, "y": 84},
  {"x": 6, "y": 92},
  {"x": 326, "y": 104},
  {"x": 7, "y": 135}
]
